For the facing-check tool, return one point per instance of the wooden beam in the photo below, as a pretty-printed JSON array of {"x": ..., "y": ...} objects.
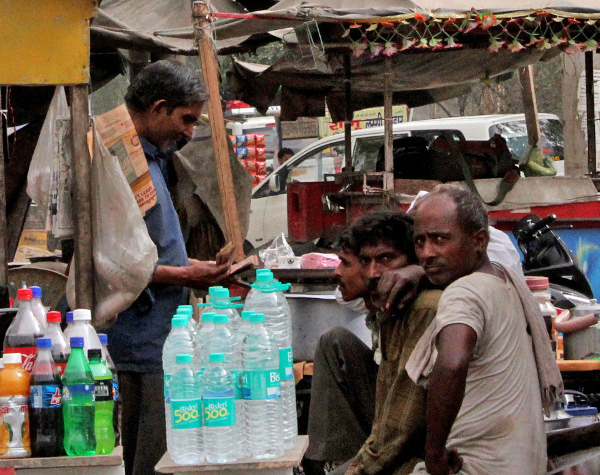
[
  {"x": 210, "y": 73},
  {"x": 590, "y": 107},
  {"x": 388, "y": 121},
  {"x": 82, "y": 200},
  {"x": 3, "y": 225},
  {"x": 349, "y": 113},
  {"x": 530, "y": 105}
]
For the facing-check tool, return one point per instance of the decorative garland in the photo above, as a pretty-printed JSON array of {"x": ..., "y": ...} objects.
[{"x": 540, "y": 29}]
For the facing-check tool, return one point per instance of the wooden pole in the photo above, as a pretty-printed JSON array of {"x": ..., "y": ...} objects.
[
  {"x": 3, "y": 225},
  {"x": 388, "y": 177},
  {"x": 349, "y": 113},
  {"x": 530, "y": 105},
  {"x": 208, "y": 61},
  {"x": 82, "y": 200},
  {"x": 591, "y": 113}
]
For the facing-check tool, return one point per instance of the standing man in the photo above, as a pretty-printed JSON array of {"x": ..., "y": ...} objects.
[
  {"x": 494, "y": 370},
  {"x": 165, "y": 101}
]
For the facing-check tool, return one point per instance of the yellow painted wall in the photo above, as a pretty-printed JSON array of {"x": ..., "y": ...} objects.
[{"x": 45, "y": 41}]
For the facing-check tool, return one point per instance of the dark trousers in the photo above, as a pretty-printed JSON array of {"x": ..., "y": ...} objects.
[
  {"x": 143, "y": 421},
  {"x": 342, "y": 403}
]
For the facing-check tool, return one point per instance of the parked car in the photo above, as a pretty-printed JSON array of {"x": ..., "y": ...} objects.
[{"x": 326, "y": 156}]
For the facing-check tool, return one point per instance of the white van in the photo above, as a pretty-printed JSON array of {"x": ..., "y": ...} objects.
[{"x": 269, "y": 198}]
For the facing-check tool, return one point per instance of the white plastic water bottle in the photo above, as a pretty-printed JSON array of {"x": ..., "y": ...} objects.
[
  {"x": 201, "y": 340},
  {"x": 262, "y": 391},
  {"x": 178, "y": 342},
  {"x": 267, "y": 297},
  {"x": 222, "y": 340},
  {"x": 221, "y": 429},
  {"x": 38, "y": 307},
  {"x": 222, "y": 303},
  {"x": 189, "y": 310},
  {"x": 208, "y": 307},
  {"x": 82, "y": 327},
  {"x": 184, "y": 433}
]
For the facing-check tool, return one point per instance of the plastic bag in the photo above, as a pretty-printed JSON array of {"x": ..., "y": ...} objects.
[
  {"x": 278, "y": 248},
  {"x": 124, "y": 254},
  {"x": 318, "y": 260},
  {"x": 39, "y": 177}
]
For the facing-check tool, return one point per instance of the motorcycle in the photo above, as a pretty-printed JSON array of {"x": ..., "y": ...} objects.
[{"x": 545, "y": 254}]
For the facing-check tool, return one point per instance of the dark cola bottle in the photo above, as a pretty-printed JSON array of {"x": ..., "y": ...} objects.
[{"x": 45, "y": 404}]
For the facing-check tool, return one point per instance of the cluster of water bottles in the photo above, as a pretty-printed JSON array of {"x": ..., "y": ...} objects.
[
  {"x": 52, "y": 399},
  {"x": 229, "y": 380}
]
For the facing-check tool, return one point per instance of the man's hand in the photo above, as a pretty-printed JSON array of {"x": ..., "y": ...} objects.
[
  {"x": 201, "y": 274},
  {"x": 445, "y": 463},
  {"x": 397, "y": 288}
]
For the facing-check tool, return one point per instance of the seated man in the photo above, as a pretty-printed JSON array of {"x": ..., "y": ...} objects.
[{"x": 486, "y": 358}]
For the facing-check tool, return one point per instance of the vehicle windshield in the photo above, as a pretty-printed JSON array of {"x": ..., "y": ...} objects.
[{"x": 515, "y": 134}]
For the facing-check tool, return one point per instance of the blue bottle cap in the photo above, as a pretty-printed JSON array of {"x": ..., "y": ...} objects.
[
  {"x": 69, "y": 317},
  {"x": 219, "y": 318},
  {"x": 213, "y": 289},
  {"x": 216, "y": 358},
  {"x": 221, "y": 293},
  {"x": 179, "y": 322},
  {"x": 103, "y": 338},
  {"x": 208, "y": 316},
  {"x": 246, "y": 314},
  {"x": 185, "y": 309},
  {"x": 76, "y": 342},
  {"x": 37, "y": 291},
  {"x": 257, "y": 318},
  {"x": 44, "y": 343},
  {"x": 182, "y": 359}
]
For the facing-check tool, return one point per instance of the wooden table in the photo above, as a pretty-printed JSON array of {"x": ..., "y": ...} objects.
[
  {"x": 279, "y": 466},
  {"x": 93, "y": 465}
]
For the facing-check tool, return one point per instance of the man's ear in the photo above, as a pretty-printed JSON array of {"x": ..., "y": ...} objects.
[
  {"x": 480, "y": 240},
  {"x": 159, "y": 106}
]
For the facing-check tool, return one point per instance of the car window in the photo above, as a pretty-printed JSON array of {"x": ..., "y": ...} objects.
[
  {"x": 366, "y": 151},
  {"x": 515, "y": 134}
]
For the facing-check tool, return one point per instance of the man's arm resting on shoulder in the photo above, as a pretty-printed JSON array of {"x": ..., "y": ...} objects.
[
  {"x": 445, "y": 393},
  {"x": 198, "y": 274}
]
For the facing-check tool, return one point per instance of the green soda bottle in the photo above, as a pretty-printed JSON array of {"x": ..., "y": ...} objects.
[
  {"x": 105, "y": 405},
  {"x": 78, "y": 403}
]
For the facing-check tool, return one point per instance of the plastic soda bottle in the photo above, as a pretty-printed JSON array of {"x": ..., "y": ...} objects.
[
  {"x": 104, "y": 403},
  {"x": 262, "y": 391},
  {"x": 82, "y": 327},
  {"x": 185, "y": 441},
  {"x": 38, "y": 307},
  {"x": 23, "y": 332},
  {"x": 116, "y": 397},
  {"x": 60, "y": 348},
  {"x": 78, "y": 403},
  {"x": 221, "y": 436},
  {"x": 14, "y": 407},
  {"x": 45, "y": 404}
]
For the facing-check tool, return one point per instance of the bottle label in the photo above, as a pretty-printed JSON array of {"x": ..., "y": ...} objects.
[
  {"x": 186, "y": 413},
  {"x": 83, "y": 392},
  {"x": 239, "y": 385},
  {"x": 286, "y": 363},
  {"x": 261, "y": 384},
  {"x": 27, "y": 355},
  {"x": 103, "y": 390},
  {"x": 44, "y": 396},
  {"x": 115, "y": 388},
  {"x": 14, "y": 425},
  {"x": 167, "y": 379},
  {"x": 219, "y": 412},
  {"x": 61, "y": 368}
]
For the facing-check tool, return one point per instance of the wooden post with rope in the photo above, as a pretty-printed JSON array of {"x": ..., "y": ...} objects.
[{"x": 208, "y": 62}]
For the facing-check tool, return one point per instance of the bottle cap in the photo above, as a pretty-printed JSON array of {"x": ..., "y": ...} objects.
[
  {"x": 94, "y": 353},
  {"x": 246, "y": 314},
  {"x": 182, "y": 359},
  {"x": 264, "y": 277},
  {"x": 537, "y": 282},
  {"x": 11, "y": 358},
  {"x": 257, "y": 318},
  {"x": 213, "y": 289},
  {"x": 216, "y": 358},
  {"x": 54, "y": 317},
  {"x": 264, "y": 271},
  {"x": 69, "y": 317},
  {"x": 179, "y": 321},
  {"x": 220, "y": 318},
  {"x": 76, "y": 342},
  {"x": 221, "y": 293},
  {"x": 36, "y": 291},
  {"x": 103, "y": 338},
  {"x": 24, "y": 294},
  {"x": 82, "y": 314},
  {"x": 44, "y": 343},
  {"x": 187, "y": 308},
  {"x": 208, "y": 316}
]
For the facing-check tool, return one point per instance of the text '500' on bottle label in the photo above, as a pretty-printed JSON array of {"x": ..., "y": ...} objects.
[
  {"x": 261, "y": 384},
  {"x": 103, "y": 390},
  {"x": 286, "y": 363},
  {"x": 45, "y": 396},
  {"x": 219, "y": 412},
  {"x": 186, "y": 413},
  {"x": 84, "y": 391}
]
